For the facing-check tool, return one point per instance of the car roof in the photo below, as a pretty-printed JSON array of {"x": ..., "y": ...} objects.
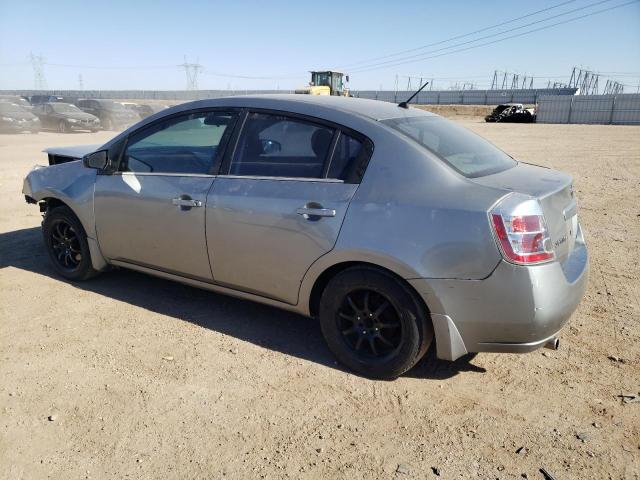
[{"x": 372, "y": 109}]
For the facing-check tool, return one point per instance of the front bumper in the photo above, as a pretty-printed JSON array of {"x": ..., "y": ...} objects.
[
  {"x": 516, "y": 309},
  {"x": 18, "y": 126},
  {"x": 84, "y": 126}
]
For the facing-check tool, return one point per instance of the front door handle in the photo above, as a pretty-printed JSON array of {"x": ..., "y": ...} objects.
[
  {"x": 185, "y": 202},
  {"x": 310, "y": 213}
]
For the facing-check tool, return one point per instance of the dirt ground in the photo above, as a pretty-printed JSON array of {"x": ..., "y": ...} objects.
[{"x": 129, "y": 376}]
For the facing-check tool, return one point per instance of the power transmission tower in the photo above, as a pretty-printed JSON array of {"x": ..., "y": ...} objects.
[
  {"x": 613, "y": 87},
  {"x": 191, "y": 70},
  {"x": 584, "y": 80},
  {"x": 37, "y": 62}
]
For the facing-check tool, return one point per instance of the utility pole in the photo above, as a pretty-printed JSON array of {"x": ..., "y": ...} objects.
[
  {"x": 191, "y": 70},
  {"x": 80, "y": 82},
  {"x": 37, "y": 62}
]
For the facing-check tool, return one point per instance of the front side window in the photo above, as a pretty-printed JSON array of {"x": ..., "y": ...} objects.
[
  {"x": 280, "y": 146},
  {"x": 466, "y": 152},
  {"x": 182, "y": 144}
]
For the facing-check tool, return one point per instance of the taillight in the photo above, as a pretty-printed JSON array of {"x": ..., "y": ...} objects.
[{"x": 521, "y": 231}]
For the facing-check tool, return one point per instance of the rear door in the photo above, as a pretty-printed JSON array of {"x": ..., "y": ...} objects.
[
  {"x": 151, "y": 212},
  {"x": 280, "y": 201}
]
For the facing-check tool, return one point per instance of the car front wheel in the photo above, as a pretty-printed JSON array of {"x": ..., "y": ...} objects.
[
  {"x": 374, "y": 324},
  {"x": 67, "y": 245}
]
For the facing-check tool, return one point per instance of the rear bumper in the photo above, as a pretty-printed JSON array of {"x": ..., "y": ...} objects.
[{"x": 516, "y": 309}]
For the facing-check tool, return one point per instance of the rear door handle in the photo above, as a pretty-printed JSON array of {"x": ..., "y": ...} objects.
[
  {"x": 182, "y": 201},
  {"x": 307, "y": 212}
]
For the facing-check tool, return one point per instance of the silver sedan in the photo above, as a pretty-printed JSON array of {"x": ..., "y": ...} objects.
[{"x": 393, "y": 226}]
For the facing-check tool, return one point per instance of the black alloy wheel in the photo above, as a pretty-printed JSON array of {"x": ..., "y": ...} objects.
[
  {"x": 65, "y": 244},
  {"x": 369, "y": 323},
  {"x": 373, "y": 322}
]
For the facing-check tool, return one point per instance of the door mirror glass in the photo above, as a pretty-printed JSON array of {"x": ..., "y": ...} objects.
[
  {"x": 271, "y": 146},
  {"x": 97, "y": 160}
]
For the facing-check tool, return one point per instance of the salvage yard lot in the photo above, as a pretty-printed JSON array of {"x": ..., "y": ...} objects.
[{"x": 129, "y": 376}]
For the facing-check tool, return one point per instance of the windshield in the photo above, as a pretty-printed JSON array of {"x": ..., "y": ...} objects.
[
  {"x": 64, "y": 108},
  {"x": 466, "y": 152},
  {"x": 10, "y": 108}
]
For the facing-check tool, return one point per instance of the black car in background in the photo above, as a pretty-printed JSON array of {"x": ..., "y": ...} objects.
[
  {"x": 145, "y": 110},
  {"x": 112, "y": 115},
  {"x": 511, "y": 113},
  {"x": 40, "y": 99},
  {"x": 65, "y": 117},
  {"x": 16, "y": 119}
]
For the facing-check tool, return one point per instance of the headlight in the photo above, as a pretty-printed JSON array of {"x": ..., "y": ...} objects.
[
  {"x": 72, "y": 120},
  {"x": 8, "y": 119}
]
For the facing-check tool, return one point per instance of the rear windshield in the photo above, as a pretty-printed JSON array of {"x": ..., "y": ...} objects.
[{"x": 466, "y": 152}]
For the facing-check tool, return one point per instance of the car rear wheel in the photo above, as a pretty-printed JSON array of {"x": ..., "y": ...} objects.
[
  {"x": 67, "y": 245},
  {"x": 373, "y": 324},
  {"x": 62, "y": 126}
]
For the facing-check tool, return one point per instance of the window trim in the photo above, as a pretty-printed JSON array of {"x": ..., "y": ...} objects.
[
  {"x": 221, "y": 149},
  {"x": 367, "y": 144}
]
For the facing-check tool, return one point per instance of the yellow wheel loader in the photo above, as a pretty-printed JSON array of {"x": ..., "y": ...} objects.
[{"x": 326, "y": 82}]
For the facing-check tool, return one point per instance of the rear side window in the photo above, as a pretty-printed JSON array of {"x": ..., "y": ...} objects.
[
  {"x": 182, "y": 144},
  {"x": 281, "y": 146},
  {"x": 466, "y": 152},
  {"x": 346, "y": 159}
]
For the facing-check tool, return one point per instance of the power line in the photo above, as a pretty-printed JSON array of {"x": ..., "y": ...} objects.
[
  {"x": 388, "y": 65},
  {"x": 420, "y": 55},
  {"x": 402, "y": 52}
]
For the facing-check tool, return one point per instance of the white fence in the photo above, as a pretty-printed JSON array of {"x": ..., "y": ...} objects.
[
  {"x": 623, "y": 109},
  {"x": 428, "y": 97}
]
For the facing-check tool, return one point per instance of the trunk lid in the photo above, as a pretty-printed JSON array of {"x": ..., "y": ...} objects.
[{"x": 553, "y": 189}]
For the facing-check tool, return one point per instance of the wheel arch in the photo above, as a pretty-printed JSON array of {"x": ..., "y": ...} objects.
[
  {"x": 98, "y": 261},
  {"x": 324, "y": 277}
]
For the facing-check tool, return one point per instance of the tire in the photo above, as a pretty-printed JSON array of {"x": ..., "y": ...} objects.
[
  {"x": 67, "y": 245},
  {"x": 62, "y": 126},
  {"x": 373, "y": 324}
]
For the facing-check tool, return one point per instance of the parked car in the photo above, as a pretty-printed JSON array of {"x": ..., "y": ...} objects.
[
  {"x": 16, "y": 119},
  {"x": 391, "y": 225},
  {"x": 16, "y": 100},
  {"x": 146, "y": 110},
  {"x": 65, "y": 117},
  {"x": 40, "y": 99},
  {"x": 112, "y": 115},
  {"x": 511, "y": 113},
  {"x": 142, "y": 109}
]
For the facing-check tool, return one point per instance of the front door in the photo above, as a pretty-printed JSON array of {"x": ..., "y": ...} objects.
[
  {"x": 280, "y": 203},
  {"x": 151, "y": 212}
]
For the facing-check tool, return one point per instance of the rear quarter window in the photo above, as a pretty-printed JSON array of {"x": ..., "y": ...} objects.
[{"x": 464, "y": 151}]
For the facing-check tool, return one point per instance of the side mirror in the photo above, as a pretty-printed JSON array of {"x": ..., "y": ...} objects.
[
  {"x": 97, "y": 160},
  {"x": 270, "y": 146}
]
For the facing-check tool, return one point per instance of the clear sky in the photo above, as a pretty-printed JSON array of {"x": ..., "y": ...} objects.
[{"x": 118, "y": 44}]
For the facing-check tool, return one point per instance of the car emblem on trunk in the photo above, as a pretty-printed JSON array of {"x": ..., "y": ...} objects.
[{"x": 559, "y": 242}]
